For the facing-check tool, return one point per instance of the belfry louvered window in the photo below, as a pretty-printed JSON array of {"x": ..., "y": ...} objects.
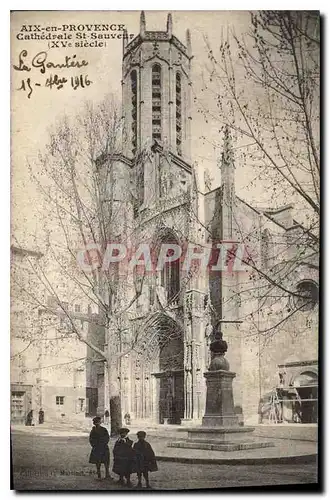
[
  {"x": 134, "y": 110},
  {"x": 156, "y": 102},
  {"x": 178, "y": 113}
]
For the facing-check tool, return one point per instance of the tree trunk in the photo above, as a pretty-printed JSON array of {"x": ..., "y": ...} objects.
[{"x": 114, "y": 398}]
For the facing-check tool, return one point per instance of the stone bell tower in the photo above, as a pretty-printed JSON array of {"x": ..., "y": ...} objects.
[
  {"x": 157, "y": 90},
  {"x": 156, "y": 94},
  {"x": 157, "y": 103}
]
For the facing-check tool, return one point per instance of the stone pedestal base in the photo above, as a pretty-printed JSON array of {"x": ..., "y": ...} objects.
[
  {"x": 220, "y": 421},
  {"x": 219, "y": 409},
  {"x": 220, "y": 430},
  {"x": 221, "y": 439},
  {"x": 220, "y": 434},
  {"x": 252, "y": 445}
]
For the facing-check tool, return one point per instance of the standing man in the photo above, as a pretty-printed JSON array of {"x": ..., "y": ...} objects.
[{"x": 41, "y": 416}]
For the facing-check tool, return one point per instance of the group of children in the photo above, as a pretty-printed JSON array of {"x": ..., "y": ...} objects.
[{"x": 128, "y": 458}]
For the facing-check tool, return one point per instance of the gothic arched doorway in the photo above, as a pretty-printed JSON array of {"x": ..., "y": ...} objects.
[
  {"x": 162, "y": 358},
  {"x": 171, "y": 381}
]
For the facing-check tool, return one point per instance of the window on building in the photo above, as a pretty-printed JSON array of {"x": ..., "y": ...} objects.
[
  {"x": 170, "y": 274},
  {"x": 156, "y": 102},
  {"x": 77, "y": 308},
  {"x": 65, "y": 305},
  {"x": 307, "y": 295},
  {"x": 52, "y": 301},
  {"x": 63, "y": 325},
  {"x": 17, "y": 405},
  {"x": 178, "y": 113},
  {"x": 134, "y": 110},
  {"x": 81, "y": 402},
  {"x": 60, "y": 400}
]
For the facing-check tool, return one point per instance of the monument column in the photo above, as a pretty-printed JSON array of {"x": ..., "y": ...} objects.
[
  {"x": 220, "y": 430},
  {"x": 219, "y": 409}
]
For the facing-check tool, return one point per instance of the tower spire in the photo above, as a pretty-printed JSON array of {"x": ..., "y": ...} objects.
[
  {"x": 227, "y": 157},
  {"x": 142, "y": 24},
  {"x": 125, "y": 38},
  {"x": 188, "y": 42},
  {"x": 169, "y": 26}
]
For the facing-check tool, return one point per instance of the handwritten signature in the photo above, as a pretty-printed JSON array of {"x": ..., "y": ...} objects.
[{"x": 40, "y": 61}]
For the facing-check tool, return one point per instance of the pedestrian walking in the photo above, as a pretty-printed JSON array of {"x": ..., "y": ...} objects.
[
  {"x": 99, "y": 439},
  {"x": 41, "y": 416},
  {"x": 123, "y": 457},
  {"x": 144, "y": 459},
  {"x": 127, "y": 418}
]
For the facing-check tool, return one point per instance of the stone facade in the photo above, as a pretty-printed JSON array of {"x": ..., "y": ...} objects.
[
  {"x": 161, "y": 379},
  {"x": 171, "y": 206},
  {"x": 50, "y": 368}
]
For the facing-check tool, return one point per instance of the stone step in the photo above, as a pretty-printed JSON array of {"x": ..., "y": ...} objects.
[
  {"x": 220, "y": 446},
  {"x": 219, "y": 440}
]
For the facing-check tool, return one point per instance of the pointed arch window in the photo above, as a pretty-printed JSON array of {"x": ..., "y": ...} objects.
[
  {"x": 178, "y": 107},
  {"x": 134, "y": 110},
  {"x": 170, "y": 274},
  {"x": 156, "y": 102}
]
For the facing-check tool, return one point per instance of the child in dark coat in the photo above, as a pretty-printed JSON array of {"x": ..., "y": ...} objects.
[
  {"x": 98, "y": 439},
  {"x": 145, "y": 459},
  {"x": 123, "y": 457}
]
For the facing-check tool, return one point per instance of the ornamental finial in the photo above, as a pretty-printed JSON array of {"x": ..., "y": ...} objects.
[
  {"x": 142, "y": 23},
  {"x": 169, "y": 26},
  {"x": 188, "y": 42}
]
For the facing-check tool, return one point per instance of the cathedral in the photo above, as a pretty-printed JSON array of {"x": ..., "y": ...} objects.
[
  {"x": 161, "y": 379},
  {"x": 162, "y": 199}
]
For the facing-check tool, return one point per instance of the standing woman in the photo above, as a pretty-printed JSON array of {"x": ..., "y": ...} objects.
[
  {"x": 29, "y": 418},
  {"x": 99, "y": 439}
]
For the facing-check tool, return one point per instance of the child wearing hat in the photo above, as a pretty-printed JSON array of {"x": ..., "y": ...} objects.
[
  {"x": 123, "y": 457},
  {"x": 145, "y": 459},
  {"x": 98, "y": 439}
]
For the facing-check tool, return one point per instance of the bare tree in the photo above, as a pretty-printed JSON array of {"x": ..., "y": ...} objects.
[
  {"x": 82, "y": 205},
  {"x": 88, "y": 201},
  {"x": 265, "y": 89}
]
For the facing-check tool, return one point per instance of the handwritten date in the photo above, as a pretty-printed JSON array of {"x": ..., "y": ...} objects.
[{"x": 55, "y": 81}]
